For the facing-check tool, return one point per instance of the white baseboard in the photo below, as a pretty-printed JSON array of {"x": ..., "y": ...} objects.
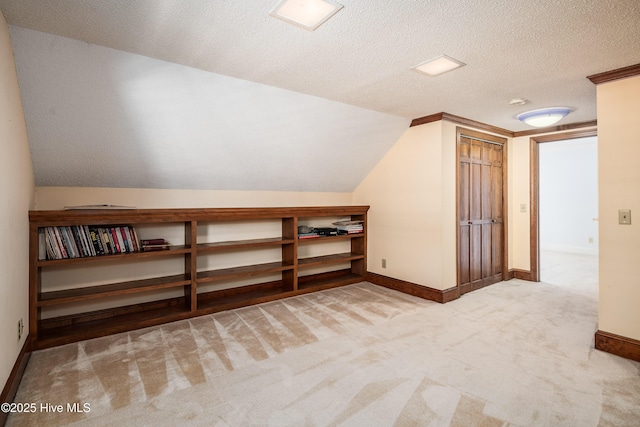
[{"x": 582, "y": 250}]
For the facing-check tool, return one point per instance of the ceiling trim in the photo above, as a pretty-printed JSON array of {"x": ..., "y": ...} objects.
[
  {"x": 426, "y": 119},
  {"x": 478, "y": 125},
  {"x": 620, "y": 73},
  {"x": 493, "y": 129},
  {"x": 461, "y": 121},
  {"x": 589, "y": 124}
]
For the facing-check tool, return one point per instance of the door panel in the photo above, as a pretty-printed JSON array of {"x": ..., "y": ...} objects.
[
  {"x": 464, "y": 205},
  {"x": 464, "y": 251},
  {"x": 475, "y": 253}
]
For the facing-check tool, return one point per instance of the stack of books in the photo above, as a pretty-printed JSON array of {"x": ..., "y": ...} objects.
[
  {"x": 79, "y": 241},
  {"x": 309, "y": 235},
  {"x": 149, "y": 245},
  {"x": 349, "y": 227}
]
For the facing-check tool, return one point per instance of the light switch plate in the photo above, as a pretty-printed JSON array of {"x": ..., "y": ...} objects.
[{"x": 624, "y": 216}]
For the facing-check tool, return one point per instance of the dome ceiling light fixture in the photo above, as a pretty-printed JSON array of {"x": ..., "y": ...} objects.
[{"x": 544, "y": 116}]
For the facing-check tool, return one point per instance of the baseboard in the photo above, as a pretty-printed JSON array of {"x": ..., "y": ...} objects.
[
  {"x": 580, "y": 250},
  {"x": 516, "y": 273},
  {"x": 618, "y": 345},
  {"x": 11, "y": 387},
  {"x": 437, "y": 295}
]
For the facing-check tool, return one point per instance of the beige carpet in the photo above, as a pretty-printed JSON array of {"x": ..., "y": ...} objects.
[{"x": 515, "y": 353}]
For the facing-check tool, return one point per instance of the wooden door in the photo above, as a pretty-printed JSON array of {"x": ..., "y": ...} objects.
[{"x": 481, "y": 228}]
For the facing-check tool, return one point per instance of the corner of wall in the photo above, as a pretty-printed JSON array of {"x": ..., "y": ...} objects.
[{"x": 17, "y": 187}]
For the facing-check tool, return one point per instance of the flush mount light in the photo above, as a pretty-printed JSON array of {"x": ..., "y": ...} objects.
[
  {"x": 439, "y": 65},
  {"x": 307, "y": 14},
  {"x": 544, "y": 116}
]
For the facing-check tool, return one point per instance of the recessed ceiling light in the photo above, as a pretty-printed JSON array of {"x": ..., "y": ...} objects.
[
  {"x": 544, "y": 116},
  {"x": 439, "y": 65},
  {"x": 307, "y": 14}
]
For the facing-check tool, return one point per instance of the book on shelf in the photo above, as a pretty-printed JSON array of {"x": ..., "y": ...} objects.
[
  {"x": 326, "y": 231},
  {"x": 350, "y": 229},
  {"x": 94, "y": 207},
  {"x": 83, "y": 241},
  {"x": 147, "y": 242},
  {"x": 149, "y": 245},
  {"x": 348, "y": 222},
  {"x": 42, "y": 245},
  {"x": 349, "y": 226},
  {"x": 343, "y": 232},
  {"x": 308, "y": 235}
]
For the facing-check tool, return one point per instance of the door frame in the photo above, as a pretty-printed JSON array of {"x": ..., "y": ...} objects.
[
  {"x": 534, "y": 183},
  {"x": 494, "y": 139}
]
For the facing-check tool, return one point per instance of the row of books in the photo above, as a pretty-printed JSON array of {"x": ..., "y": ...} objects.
[
  {"x": 341, "y": 227},
  {"x": 349, "y": 227},
  {"x": 81, "y": 241}
]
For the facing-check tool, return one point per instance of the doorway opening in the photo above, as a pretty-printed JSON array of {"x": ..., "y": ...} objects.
[{"x": 564, "y": 207}]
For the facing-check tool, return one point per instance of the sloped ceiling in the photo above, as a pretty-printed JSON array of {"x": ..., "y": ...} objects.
[
  {"x": 218, "y": 94},
  {"x": 100, "y": 117}
]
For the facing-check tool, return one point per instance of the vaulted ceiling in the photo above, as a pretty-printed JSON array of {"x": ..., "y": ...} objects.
[{"x": 217, "y": 94}]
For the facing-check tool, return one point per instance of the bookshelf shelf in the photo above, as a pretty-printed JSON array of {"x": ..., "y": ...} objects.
[
  {"x": 196, "y": 258},
  {"x": 103, "y": 291},
  {"x": 326, "y": 239},
  {"x": 243, "y": 244},
  {"x": 328, "y": 259},
  {"x": 242, "y": 272},
  {"x": 318, "y": 283}
]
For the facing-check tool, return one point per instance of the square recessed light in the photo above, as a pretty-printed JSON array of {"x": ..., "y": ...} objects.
[
  {"x": 307, "y": 14},
  {"x": 439, "y": 65}
]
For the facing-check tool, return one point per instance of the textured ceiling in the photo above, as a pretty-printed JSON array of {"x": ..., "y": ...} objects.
[{"x": 541, "y": 51}]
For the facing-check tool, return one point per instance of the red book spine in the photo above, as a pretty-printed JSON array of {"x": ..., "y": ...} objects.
[{"x": 114, "y": 234}]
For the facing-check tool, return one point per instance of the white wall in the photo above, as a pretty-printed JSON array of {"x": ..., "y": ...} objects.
[
  {"x": 619, "y": 188},
  {"x": 519, "y": 194},
  {"x": 16, "y": 198},
  {"x": 50, "y": 198},
  {"x": 412, "y": 218},
  {"x": 569, "y": 195}
]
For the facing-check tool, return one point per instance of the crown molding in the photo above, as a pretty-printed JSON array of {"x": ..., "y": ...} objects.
[
  {"x": 496, "y": 130},
  {"x": 560, "y": 128},
  {"x": 426, "y": 119},
  {"x": 461, "y": 121},
  {"x": 478, "y": 125},
  {"x": 620, "y": 73}
]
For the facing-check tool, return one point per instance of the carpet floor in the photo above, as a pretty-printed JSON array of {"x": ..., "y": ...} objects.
[{"x": 513, "y": 354}]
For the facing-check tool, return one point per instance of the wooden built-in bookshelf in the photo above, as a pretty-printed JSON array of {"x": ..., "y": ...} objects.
[{"x": 344, "y": 268}]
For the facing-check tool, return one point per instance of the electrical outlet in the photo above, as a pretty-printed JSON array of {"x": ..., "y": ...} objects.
[
  {"x": 590, "y": 239},
  {"x": 624, "y": 216},
  {"x": 384, "y": 263},
  {"x": 20, "y": 329},
  {"x": 523, "y": 208}
]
